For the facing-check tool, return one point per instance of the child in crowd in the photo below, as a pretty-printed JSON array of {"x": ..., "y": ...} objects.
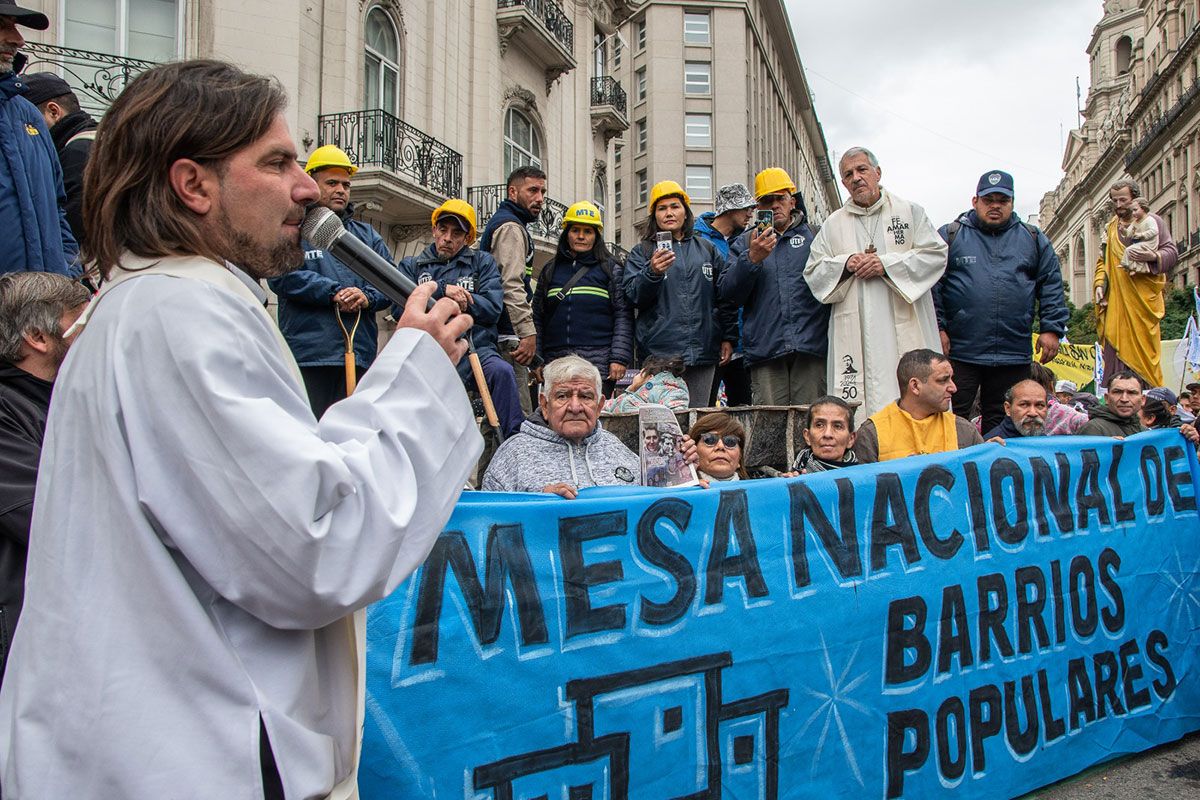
[{"x": 660, "y": 382}]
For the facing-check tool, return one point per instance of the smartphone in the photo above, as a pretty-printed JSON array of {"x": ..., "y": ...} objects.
[
  {"x": 763, "y": 220},
  {"x": 662, "y": 240}
]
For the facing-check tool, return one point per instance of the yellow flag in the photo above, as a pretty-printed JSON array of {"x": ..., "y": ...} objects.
[{"x": 1074, "y": 362}]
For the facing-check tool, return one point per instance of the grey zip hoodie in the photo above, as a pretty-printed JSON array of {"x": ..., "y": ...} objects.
[{"x": 537, "y": 457}]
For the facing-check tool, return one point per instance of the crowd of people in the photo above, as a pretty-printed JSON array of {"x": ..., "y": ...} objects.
[{"x": 234, "y": 487}]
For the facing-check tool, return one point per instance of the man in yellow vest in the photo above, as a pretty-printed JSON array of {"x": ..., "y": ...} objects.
[
  {"x": 1129, "y": 303},
  {"x": 921, "y": 421}
]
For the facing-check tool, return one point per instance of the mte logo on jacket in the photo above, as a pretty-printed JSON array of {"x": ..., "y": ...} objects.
[
  {"x": 467, "y": 282},
  {"x": 424, "y": 277},
  {"x": 897, "y": 229},
  {"x": 707, "y": 269},
  {"x": 797, "y": 241},
  {"x": 962, "y": 261},
  {"x": 312, "y": 255}
]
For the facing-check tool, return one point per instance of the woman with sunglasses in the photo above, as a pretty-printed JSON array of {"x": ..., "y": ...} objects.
[{"x": 719, "y": 440}]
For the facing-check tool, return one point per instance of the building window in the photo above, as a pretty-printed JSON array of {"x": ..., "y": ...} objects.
[
  {"x": 616, "y": 52},
  {"x": 617, "y": 238},
  {"x": 1123, "y": 53},
  {"x": 381, "y": 74},
  {"x": 696, "y": 29},
  {"x": 697, "y": 130},
  {"x": 643, "y": 188},
  {"x": 697, "y": 77},
  {"x": 640, "y": 36},
  {"x": 698, "y": 183},
  {"x": 640, "y": 80},
  {"x": 600, "y": 55},
  {"x": 617, "y": 195},
  {"x": 599, "y": 193},
  {"x": 522, "y": 145},
  {"x": 145, "y": 29},
  {"x": 617, "y": 155},
  {"x": 641, "y": 135}
]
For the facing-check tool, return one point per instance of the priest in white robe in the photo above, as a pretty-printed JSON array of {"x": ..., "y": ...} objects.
[
  {"x": 201, "y": 546},
  {"x": 875, "y": 261}
]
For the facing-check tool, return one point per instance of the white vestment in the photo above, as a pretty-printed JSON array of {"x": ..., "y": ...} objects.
[
  {"x": 200, "y": 542},
  {"x": 877, "y": 320}
]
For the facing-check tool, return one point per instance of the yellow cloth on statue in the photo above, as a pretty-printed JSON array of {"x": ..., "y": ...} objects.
[
  {"x": 1130, "y": 323},
  {"x": 901, "y": 436}
]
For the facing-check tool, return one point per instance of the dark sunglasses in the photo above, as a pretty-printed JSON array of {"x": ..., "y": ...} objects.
[{"x": 711, "y": 439}]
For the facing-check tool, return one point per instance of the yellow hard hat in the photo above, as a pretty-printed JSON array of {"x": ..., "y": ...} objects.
[
  {"x": 329, "y": 155},
  {"x": 667, "y": 189},
  {"x": 773, "y": 180},
  {"x": 583, "y": 213},
  {"x": 461, "y": 209}
]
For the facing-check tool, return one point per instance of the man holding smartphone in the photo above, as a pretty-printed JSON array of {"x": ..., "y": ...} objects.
[{"x": 784, "y": 328}]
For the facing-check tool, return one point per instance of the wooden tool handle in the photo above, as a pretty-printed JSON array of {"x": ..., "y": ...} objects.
[{"x": 489, "y": 409}]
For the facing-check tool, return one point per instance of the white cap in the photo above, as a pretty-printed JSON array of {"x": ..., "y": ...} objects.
[{"x": 1065, "y": 386}]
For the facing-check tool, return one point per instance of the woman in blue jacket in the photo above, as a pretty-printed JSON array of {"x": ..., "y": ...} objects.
[
  {"x": 675, "y": 292},
  {"x": 579, "y": 306}
]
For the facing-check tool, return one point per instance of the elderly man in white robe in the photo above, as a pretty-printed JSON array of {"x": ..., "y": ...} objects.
[
  {"x": 875, "y": 261},
  {"x": 201, "y": 545}
]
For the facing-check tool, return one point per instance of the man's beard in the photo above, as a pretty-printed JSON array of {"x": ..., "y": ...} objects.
[
  {"x": 256, "y": 260},
  {"x": 1032, "y": 427}
]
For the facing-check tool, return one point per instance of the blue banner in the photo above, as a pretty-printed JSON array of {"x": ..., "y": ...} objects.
[{"x": 990, "y": 620}]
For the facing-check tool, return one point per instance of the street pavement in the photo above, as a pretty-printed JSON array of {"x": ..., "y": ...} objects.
[{"x": 1168, "y": 772}]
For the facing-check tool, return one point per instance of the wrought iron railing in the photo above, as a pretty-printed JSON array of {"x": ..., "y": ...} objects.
[
  {"x": 1163, "y": 123},
  {"x": 97, "y": 78},
  {"x": 486, "y": 199},
  {"x": 1196, "y": 238},
  {"x": 607, "y": 91},
  {"x": 618, "y": 252},
  {"x": 551, "y": 16},
  {"x": 375, "y": 138}
]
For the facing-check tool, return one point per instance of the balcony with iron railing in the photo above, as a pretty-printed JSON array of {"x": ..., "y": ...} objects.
[
  {"x": 96, "y": 78},
  {"x": 609, "y": 103},
  {"x": 542, "y": 30},
  {"x": 486, "y": 199},
  {"x": 375, "y": 138},
  {"x": 1163, "y": 123}
]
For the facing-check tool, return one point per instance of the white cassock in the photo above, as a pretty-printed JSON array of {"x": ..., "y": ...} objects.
[
  {"x": 200, "y": 546},
  {"x": 877, "y": 320}
]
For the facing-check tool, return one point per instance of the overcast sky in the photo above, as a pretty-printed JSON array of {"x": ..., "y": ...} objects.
[{"x": 944, "y": 90}]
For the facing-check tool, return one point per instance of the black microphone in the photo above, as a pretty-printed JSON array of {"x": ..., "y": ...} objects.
[{"x": 323, "y": 230}]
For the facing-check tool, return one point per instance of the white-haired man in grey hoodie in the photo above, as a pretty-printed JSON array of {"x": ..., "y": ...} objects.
[{"x": 561, "y": 448}]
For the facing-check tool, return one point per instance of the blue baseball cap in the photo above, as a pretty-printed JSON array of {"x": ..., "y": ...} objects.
[{"x": 994, "y": 182}]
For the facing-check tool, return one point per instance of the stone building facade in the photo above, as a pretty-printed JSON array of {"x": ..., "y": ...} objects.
[
  {"x": 443, "y": 99},
  {"x": 717, "y": 92},
  {"x": 1141, "y": 120}
]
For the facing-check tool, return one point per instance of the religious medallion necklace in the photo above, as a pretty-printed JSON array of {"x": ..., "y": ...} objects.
[{"x": 871, "y": 234}]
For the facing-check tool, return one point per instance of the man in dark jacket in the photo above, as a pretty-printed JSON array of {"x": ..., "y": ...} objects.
[
  {"x": 472, "y": 279},
  {"x": 1118, "y": 416},
  {"x": 1025, "y": 406},
  {"x": 35, "y": 309},
  {"x": 998, "y": 271},
  {"x": 320, "y": 302},
  {"x": 785, "y": 330},
  {"x": 33, "y": 216},
  {"x": 506, "y": 236},
  {"x": 73, "y": 131}
]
